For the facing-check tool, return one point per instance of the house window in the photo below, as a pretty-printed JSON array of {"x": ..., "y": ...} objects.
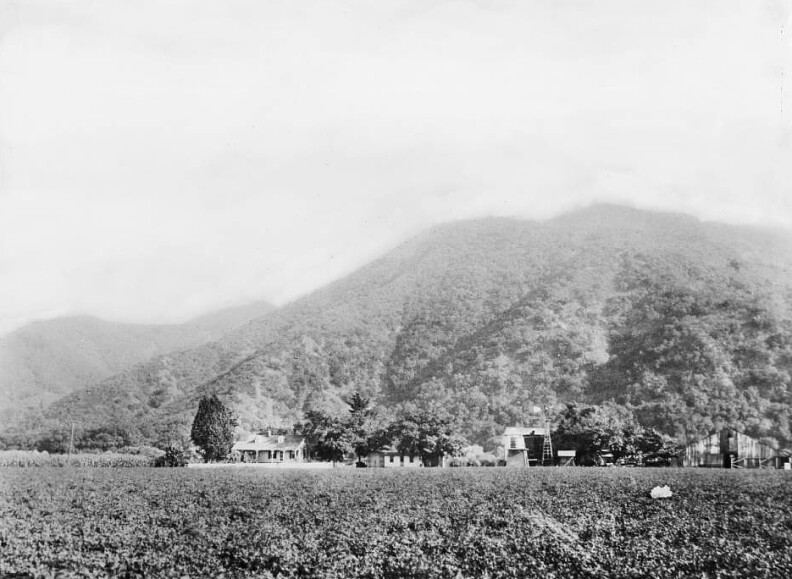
[
  {"x": 390, "y": 458},
  {"x": 513, "y": 442},
  {"x": 411, "y": 458},
  {"x": 291, "y": 455}
]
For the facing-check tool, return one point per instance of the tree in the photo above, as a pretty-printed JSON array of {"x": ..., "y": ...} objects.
[
  {"x": 333, "y": 438},
  {"x": 592, "y": 430},
  {"x": 583, "y": 429},
  {"x": 326, "y": 437},
  {"x": 362, "y": 427},
  {"x": 213, "y": 429},
  {"x": 427, "y": 433}
]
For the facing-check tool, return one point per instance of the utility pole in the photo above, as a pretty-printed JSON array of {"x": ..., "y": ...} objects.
[{"x": 71, "y": 441}]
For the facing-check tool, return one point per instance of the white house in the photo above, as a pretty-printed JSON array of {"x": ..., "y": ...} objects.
[{"x": 275, "y": 448}]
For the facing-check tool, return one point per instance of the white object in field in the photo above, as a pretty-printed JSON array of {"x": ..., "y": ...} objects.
[
  {"x": 661, "y": 492},
  {"x": 536, "y": 410}
]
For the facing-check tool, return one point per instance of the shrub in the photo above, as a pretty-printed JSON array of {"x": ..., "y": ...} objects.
[{"x": 173, "y": 457}]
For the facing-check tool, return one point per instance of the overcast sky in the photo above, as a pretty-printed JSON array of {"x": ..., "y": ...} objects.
[{"x": 159, "y": 159}]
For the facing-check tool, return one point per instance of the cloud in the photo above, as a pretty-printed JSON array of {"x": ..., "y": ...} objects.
[{"x": 158, "y": 158}]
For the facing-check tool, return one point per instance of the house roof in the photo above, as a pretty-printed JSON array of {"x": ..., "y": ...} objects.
[
  {"x": 389, "y": 450},
  {"x": 264, "y": 442},
  {"x": 525, "y": 430}
]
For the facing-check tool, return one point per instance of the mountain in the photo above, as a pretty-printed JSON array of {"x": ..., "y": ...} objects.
[
  {"x": 46, "y": 360},
  {"x": 680, "y": 323}
]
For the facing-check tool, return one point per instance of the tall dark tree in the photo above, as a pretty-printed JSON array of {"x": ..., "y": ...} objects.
[
  {"x": 362, "y": 426},
  {"x": 213, "y": 429}
]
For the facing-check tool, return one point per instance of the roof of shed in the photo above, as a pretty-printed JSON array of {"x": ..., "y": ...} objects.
[
  {"x": 390, "y": 450},
  {"x": 525, "y": 431}
]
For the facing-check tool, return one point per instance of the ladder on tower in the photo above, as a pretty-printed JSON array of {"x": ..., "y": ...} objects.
[{"x": 547, "y": 449}]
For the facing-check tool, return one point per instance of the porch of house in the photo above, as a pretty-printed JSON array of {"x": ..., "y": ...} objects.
[{"x": 272, "y": 456}]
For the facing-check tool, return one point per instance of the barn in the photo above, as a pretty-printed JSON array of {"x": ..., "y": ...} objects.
[
  {"x": 525, "y": 445},
  {"x": 728, "y": 448}
]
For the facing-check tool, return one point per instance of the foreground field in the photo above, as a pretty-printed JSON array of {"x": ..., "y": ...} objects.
[{"x": 430, "y": 523}]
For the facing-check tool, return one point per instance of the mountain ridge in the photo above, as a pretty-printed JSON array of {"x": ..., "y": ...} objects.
[
  {"x": 484, "y": 316},
  {"x": 47, "y": 359}
]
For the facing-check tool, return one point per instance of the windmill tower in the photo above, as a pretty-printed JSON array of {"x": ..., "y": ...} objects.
[
  {"x": 547, "y": 442},
  {"x": 547, "y": 445}
]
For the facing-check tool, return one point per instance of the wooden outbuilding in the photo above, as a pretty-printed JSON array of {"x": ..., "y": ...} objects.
[
  {"x": 728, "y": 448},
  {"x": 392, "y": 458}
]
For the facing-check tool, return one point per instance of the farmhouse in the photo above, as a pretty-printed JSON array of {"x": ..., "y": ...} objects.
[
  {"x": 392, "y": 458},
  {"x": 267, "y": 448},
  {"x": 730, "y": 449},
  {"x": 526, "y": 446}
]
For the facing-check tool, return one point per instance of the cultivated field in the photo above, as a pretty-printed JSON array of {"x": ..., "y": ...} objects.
[{"x": 494, "y": 522}]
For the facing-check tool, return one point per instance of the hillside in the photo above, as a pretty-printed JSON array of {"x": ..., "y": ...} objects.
[
  {"x": 490, "y": 317},
  {"x": 46, "y": 360}
]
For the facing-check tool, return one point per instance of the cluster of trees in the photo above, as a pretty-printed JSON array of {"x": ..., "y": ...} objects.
[
  {"x": 594, "y": 430},
  {"x": 428, "y": 433}
]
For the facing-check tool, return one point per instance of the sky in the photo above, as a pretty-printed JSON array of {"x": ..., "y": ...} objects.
[{"x": 160, "y": 159}]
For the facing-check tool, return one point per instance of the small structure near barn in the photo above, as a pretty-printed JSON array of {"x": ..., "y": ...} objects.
[
  {"x": 567, "y": 457},
  {"x": 524, "y": 445},
  {"x": 272, "y": 448},
  {"x": 730, "y": 449},
  {"x": 392, "y": 458}
]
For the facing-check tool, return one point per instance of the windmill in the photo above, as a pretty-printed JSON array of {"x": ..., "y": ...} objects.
[{"x": 547, "y": 443}]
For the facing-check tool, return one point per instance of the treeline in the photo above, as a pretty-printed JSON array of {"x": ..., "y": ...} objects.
[
  {"x": 427, "y": 433},
  {"x": 593, "y": 431}
]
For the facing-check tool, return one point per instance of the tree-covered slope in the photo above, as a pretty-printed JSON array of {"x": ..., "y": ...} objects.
[
  {"x": 46, "y": 360},
  {"x": 494, "y": 316}
]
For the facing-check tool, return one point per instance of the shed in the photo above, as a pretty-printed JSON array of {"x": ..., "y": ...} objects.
[
  {"x": 728, "y": 448},
  {"x": 392, "y": 458},
  {"x": 275, "y": 448}
]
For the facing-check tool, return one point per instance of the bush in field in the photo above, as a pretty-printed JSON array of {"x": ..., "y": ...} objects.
[
  {"x": 213, "y": 429},
  {"x": 173, "y": 457}
]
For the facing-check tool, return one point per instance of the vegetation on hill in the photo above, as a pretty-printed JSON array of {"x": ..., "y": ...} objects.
[
  {"x": 46, "y": 360},
  {"x": 681, "y": 325}
]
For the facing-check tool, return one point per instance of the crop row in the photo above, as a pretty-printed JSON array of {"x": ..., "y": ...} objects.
[
  {"x": 25, "y": 458},
  {"x": 427, "y": 523}
]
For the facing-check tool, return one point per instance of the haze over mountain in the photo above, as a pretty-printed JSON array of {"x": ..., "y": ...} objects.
[
  {"x": 683, "y": 324},
  {"x": 48, "y": 359}
]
